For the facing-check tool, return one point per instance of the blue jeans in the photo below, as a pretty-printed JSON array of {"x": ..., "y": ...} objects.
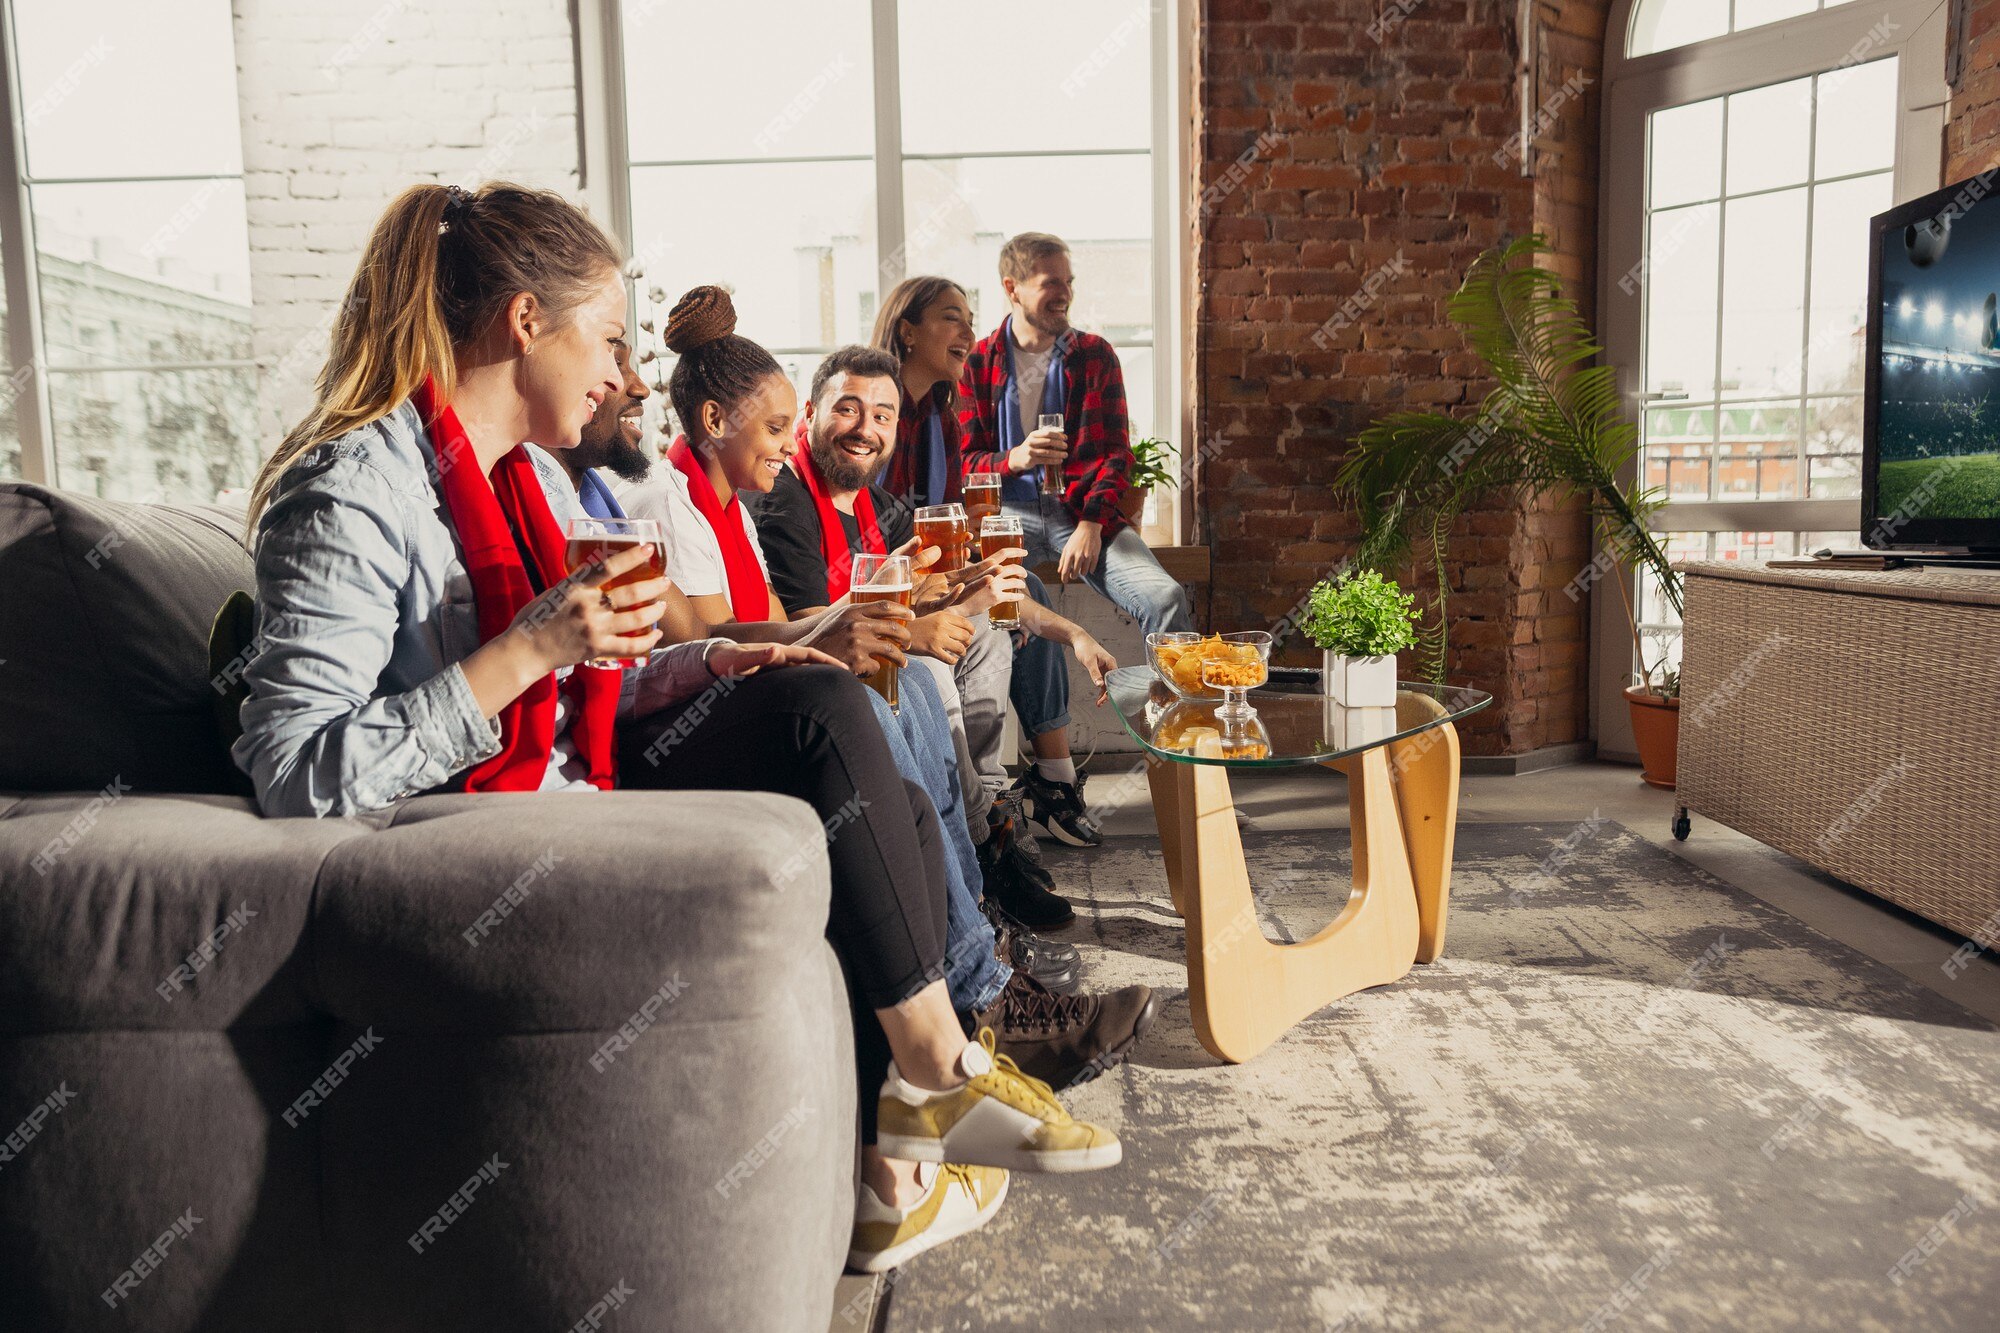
[
  {"x": 1127, "y": 572},
  {"x": 1039, "y": 687},
  {"x": 920, "y": 740}
]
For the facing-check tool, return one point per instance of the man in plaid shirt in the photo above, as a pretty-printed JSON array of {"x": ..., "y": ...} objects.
[{"x": 1033, "y": 364}]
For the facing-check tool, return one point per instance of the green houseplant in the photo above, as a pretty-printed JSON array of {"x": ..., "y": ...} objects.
[
  {"x": 1154, "y": 463},
  {"x": 1359, "y": 622},
  {"x": 1553, "y": 425}
]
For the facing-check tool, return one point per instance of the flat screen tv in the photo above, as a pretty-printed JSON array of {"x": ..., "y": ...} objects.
[{"x": 1930, "y": 464}]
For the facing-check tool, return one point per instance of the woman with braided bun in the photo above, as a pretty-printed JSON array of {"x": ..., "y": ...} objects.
[{"x": 475, "y": 321}]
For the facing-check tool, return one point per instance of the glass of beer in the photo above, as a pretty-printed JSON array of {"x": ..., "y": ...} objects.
[
  {"x": 592, "y": 541},
  {"x": 1052, "y": 478},
  {"x": 982, "y": 497},
  {"x": 882, "y": 578},
  {"x": 996, "y": 534},
  {"x": 945, "y": 527}
]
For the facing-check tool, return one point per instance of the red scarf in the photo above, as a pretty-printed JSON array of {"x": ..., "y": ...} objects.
[
  {"x": 480, "y": 513},
  {"x": 749, "y": 591},
  {"x": 832, "y": 534}
]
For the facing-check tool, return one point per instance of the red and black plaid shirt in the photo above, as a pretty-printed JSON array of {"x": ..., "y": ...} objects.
[
  {"x": 1098, "y": 471},
  {"x": 900, "y": 480}
]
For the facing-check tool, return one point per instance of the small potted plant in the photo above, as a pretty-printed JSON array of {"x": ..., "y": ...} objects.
[
  {"x": 1360, "y": 621},
  {"x": 1153, "y": 464}
]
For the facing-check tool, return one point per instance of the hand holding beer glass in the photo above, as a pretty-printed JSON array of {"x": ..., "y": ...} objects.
[
  {"x": 589, "y": 541},
  {"x": 982, "y": 497},
  {"x": 996, "y": 534},
  {"x": 1052, "y": 473},
  {"x": 945, "y": 527},
  {"x": 882, "y": 578}
]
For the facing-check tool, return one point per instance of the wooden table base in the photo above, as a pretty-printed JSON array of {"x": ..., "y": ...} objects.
[{"x": 1247, "y": 991}]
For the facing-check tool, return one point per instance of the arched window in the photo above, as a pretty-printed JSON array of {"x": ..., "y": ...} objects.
[{"x": 1746, "y": 145}]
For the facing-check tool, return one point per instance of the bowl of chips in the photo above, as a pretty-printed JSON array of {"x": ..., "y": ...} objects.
[{"x": 1179, "y": 659}]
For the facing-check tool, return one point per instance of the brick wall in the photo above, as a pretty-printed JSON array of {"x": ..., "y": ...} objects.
[
  {"x": 1972, "y": 137},
  {"x": 345, "y": 102},
  {"x": 1334, "y": 139}
]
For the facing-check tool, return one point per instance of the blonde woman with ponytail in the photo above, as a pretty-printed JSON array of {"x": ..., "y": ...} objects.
[{"x": 417, "y": 633}]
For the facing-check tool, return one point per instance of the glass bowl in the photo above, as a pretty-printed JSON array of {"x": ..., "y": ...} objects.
[
  {"x": 1163, "y": 650},
  {"x": 1238, "y": 664}
]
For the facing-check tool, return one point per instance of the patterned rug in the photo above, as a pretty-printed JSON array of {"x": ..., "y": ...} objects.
[{"x": 1628, "y": 1096}]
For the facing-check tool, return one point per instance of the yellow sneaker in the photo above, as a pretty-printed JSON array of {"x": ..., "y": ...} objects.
[
  {"x": 997, "y": 1117},
  {"x": 956, "y": 1200}
]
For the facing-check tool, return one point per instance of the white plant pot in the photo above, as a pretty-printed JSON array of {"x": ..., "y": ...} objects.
[
  {"x": 1359, "y": 682},
  {"x": 1351, "y": 728}
]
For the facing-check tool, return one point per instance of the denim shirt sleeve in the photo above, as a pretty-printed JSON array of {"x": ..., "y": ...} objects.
[{"x": 332, "y": 559}]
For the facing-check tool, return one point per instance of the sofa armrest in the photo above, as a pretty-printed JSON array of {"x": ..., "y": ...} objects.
[{"x": 599, "y": 911}]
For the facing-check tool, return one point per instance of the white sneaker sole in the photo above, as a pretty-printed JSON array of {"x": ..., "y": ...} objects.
[
  {"x": 862, "y": 1261},
  {"x": 1059, "y": 833},
  {"x": 1047, "y": 1163}
]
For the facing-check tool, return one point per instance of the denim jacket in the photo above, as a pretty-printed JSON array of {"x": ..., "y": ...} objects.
[{"x": 365, "y": 610}]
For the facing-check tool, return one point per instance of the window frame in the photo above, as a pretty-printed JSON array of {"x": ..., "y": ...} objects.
[
  {"x": 31, "y": 368},
  {"x": 606, "y": 184},
  {"x": 1636, "y": 86}
]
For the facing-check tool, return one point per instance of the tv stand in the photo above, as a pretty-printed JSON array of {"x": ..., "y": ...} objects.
[{"x": 1984, "y": 560}]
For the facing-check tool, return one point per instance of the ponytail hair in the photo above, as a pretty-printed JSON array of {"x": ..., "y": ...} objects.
[{"x": 442, "y": 263}]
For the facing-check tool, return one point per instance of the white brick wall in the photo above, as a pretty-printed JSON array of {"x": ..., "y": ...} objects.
[{"x": 344, "y": 103}]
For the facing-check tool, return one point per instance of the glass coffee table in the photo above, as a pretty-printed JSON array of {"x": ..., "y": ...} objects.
[{"x": 1402, "y": 790}]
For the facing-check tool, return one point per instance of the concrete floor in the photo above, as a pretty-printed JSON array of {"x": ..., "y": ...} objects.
[{"x": 1317, "y": 798}]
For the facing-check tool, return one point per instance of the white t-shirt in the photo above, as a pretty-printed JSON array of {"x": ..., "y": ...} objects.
[
  {"x": 1031, "y": 371},
  {"x": 694, "y": 554}
]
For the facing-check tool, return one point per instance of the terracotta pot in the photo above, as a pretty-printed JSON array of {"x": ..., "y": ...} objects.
[
  {"x": 1133, "y": 503},
  {"x": 1656, "y": 729}
]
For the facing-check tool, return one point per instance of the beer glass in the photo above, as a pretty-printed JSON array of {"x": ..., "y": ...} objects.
[
  {"x": 996, "y": 534},
  {"x": 1052, "y": 478},
  {"x": 882, "y": 578},
  {"x": 591, "y": 541},
  {"x": 945, "y": 527},
  {"x": 982, "y": 497}
]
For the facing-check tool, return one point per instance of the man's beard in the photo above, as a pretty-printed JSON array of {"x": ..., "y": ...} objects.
[
  {"x": 623, "y": 457},
  {"x": 841, "y": 470}
]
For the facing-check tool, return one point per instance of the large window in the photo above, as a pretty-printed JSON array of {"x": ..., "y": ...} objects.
[
  {"x": 1740, "y": 174},
  {"x": 126, "y": 251},
  {"x": 810, "y": 154}
]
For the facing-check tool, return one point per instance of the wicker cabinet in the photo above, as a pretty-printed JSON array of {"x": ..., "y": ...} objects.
[{"x": 1853, "y": 720}]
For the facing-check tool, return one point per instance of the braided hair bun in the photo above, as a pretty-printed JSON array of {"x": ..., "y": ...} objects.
[{"x": 703, "y": 315}]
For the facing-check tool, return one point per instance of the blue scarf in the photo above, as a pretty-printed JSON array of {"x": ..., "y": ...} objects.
[
  {"x": 598, "y": 501},
  {"x": 1055, "y": 399}
]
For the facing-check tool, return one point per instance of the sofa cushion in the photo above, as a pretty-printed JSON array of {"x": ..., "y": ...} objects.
[{"x": 105, "y": 612}]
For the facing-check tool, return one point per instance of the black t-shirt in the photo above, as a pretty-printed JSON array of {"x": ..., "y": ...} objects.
[{"x": 788, "y": 530}]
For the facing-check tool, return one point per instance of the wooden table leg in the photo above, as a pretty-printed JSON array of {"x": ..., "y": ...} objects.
[
  {"x": 1246, "y": 991},
  {"x": 1425, "y": 771},
  {"x": 1169, "y": 797}
]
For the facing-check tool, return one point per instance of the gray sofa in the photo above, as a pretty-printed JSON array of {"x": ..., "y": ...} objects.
[{"x": 479, "y": 1062}]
